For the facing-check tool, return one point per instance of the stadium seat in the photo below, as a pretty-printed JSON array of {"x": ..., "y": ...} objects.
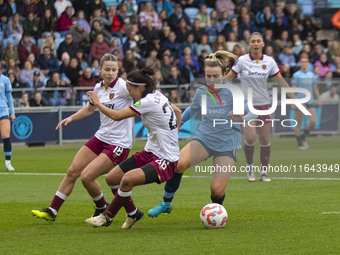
[
  {"x": 58, "y": 41},
  {"x": 333, "y": 3},
  {"x": 307, "y": 7},
  {"x": 191, "y": 12},
  {"x": 209, "y": 9}
]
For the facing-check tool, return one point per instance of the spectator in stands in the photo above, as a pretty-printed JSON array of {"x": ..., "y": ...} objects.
[
  {"x": 269, "y": 51},
  {"x": 279, "y": 8},
  {"x": 190, "y": 42},
  {"x": 95, "y": 69},
  {"x": 188, "y": 71},
  {"x": 308, "y": 50},
  {"x": 47, "y": 23},
  {"x": 174, "y": 19},
  {"x": 98, "y": 15},
  {"x": 27, "y": 73},
  {"x": 225, "y": 6},
  {"x": 82, "y": 59},
  {"x": 43, "y": 5},
  {"x": 131, "y": 41},
  {"x": 318, "y": 51},
  {"x": 287, "y": 57},
  {"x": 237, "y": 50},
  {"x": 248, "y": 24},
  {"x": 87, "y": 79},
  {"x": 331, "y": 95},
  {"x": 174, "y": 46},
  {"x": 97, "y": 28},
  {"x": 174, "y": 97},
  {"x": 182, "y": 31},
  {"x": 81, "y": 20},
  {"x": 231, "y": 42},
  {"x": 324, "y": 65},
  {"x": 160, "y": 5},
  {"x": 73, "y": 71},
  {"x": 204, "y": 45},
  {"x": 285, "y": 71},
  {"x": 165, "y": 66},
  {"x": 187, "y": 52},
  {"x": 14, "y": 28},
  {"x": 99, "y": 47},
  {"x": 5, "y": 14},
  {"x": 174, "y": 78},
  {"x": 148, "y": 31},
  {"x": 24, "y": 101},
  {"x": 284, "y": 40},
  {"x": 28, "y": 6},
  {"x": 203, "y": 17},
  {"x": 65, "y": 62},
  {"x": 16, "y": 84},
  {"x": 244, "y": 43},
  {"x": 334, "y": 49},
  {"x": 295, "y": 28},
  {"x": 152, "y": 61},
  {"x": 55, "y": 97},
  {"x": 65, "y": 23},
  {"x": 233, "y": 26},
  {"x": 117, "y": 25},
  {"x": 336, "y": 73},
  {"x": 61, "y": 6},
  {"x": 149, "y": 13},
  {"x": 292, "y": 13},
  {"x": 37, "y": 100},
  {"x": 297, "y": 44},
  {"x": 67, "y": 46},
  {"x": 11, "y": 65},
  {"x": 265, "y": 19},
  {"x": 268, "y": 40},
  {"x": 278, "y": 28},
  {"x": 81, "y": 38},
  {"x": 308, "y": 29},
  {"x": 47, "y": 62},
  {"x": 49, "y": 41},
  {"x": 10, "y": 52},
  {"x": 197, "y": 31},
  {"x": 131, "y": 63},
  {"x": 220, "y": 43},
  {"x": 163, "y": 17},
  {"x": 212, "y": 30},
  {"x": 31, "y": 25}
]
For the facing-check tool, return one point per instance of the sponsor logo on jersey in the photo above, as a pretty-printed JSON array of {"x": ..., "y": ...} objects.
[{"x": 137, "y": 104}]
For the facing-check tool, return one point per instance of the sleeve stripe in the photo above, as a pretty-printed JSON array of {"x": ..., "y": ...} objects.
[
  {"x": 91, "y": 103},
  {"x": 276, "y": 73},
  {"x": 233, "y": 71},
  {"x": 135, "y": 111}
]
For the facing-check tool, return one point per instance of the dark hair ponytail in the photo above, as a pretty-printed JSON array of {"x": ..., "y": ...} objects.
[{"x": 143, "y": 76}]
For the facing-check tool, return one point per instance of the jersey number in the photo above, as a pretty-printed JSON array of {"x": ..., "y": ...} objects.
[{"x": 171, "y": 126}]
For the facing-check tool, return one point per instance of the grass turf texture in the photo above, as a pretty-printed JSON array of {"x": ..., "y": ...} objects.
[{"x": 281, "y": 217}]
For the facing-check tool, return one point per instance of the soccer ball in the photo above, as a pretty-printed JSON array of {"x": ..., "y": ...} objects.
[{"x": 213, "y": 216}]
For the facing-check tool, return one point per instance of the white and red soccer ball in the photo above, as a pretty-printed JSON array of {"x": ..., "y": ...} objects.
[{"x": 213, "y": 216}]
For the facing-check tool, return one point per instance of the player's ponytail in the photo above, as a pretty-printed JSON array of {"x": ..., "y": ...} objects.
[
  {"x": 142, "y": 78},
  {"x": 221, "y": 58}
]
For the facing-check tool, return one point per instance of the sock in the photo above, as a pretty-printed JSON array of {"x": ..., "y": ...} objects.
[
  {"x": 58, "y": 199},
  {"x": 264, "y": 157},
  {"x": 122, "y": 199},
  {"x": 114, "y": 189},
  {"x": 217, "y": 200},
  {"x": 100, "y": 201},
  {"x": 249, "y": 152},
  {"x": 305, "y": 134},
  {"x": 299, "y": 140},
  {"x": 7, "y": 149},
  {"x": 171, "y": 187},
  {"x": 249, "y": 168}
]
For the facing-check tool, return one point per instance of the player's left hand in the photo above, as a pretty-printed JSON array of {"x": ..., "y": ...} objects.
[
  {"x": 237, "y": 118},
  {"x": 94, "y": 97},
  {"x": 12, "y": 117}
]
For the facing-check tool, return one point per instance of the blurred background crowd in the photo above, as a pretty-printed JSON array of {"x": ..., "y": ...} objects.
[{"x": 50, "y": 49}]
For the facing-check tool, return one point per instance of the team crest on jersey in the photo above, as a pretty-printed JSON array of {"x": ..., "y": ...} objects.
[
  {"x": 264, "y": 67},
  {"x": 111, "y": 96}
]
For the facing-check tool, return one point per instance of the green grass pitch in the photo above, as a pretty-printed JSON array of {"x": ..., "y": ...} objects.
[{"x": 295, "y": 215}]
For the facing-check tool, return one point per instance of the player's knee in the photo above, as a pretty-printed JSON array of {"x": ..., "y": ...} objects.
[
  {"x": 85, "y": 178},
  {"x": 73, "y": 173},
  {"x": 126, "y": 182},
  {"x": 217, "y": 193}
]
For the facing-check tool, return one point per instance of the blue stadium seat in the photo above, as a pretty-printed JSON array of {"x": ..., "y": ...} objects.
[
  {"x": 191, "y": 12},
  {"x": 307, "y": 7},
  {"x": 58, "y": 41},
  {"x": 108, "y": 3},
  {"x": 333, "y": 3},
  {"x": 209, "y": 9}
]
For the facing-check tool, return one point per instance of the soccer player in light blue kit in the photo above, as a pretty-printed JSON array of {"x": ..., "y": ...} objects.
[
  {"x": 220, "y": 141},
  {"x": 5, "y": 124},
  {"x": 307, "y": 80}
]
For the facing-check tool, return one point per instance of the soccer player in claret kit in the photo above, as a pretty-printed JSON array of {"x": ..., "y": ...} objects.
[
  {"x": 220, "y": 142},
  {"x": 157, "y": 162},
  {"x": 109, "y": 146},
  {"x": 254, "y": 69},
  {"x": 307, "y": 80}
]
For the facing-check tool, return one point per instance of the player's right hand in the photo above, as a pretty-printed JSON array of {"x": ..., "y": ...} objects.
[{"x": 63, "y": 122}]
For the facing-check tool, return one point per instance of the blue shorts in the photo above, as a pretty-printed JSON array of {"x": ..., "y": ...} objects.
[
  {"x": 4, "y": 117},
  {"x": 232, "y": 154}
]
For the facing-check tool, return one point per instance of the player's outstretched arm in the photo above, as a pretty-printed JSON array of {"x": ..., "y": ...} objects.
[
  {"x": 113, "y": 114},
  {"x": 82, "y": 113}
]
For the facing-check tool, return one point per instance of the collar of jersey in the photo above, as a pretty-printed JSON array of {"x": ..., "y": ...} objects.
[
  {"x": 251, "y": 57},
  {"x": 111, "y": 85}
]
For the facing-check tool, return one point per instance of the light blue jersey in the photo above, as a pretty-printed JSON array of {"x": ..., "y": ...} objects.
[
  {"x": 222, "y": 137},
  {"x": 306, "y": 81},
  {"x": 5, "y": 95}
]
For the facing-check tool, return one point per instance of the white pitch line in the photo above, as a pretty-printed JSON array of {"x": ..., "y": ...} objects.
[
  {"x": 185, "y": 176},
  {"x": 330, "y": 213}
]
